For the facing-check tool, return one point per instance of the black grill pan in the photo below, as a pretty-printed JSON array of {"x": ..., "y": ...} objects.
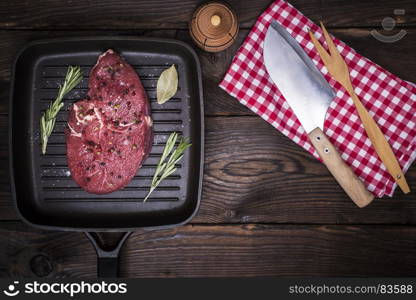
[{"x": 44, "y": 192}]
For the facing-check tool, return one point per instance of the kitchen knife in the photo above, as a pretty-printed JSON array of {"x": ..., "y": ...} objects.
[{"x": 309, "y": 96}]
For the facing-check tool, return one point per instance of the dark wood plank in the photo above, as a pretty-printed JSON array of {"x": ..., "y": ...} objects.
[
  {"x": 396, "y": 57},
  {"x": 218, "y": 251},
  {"x": 267, "y": 205},
  {"x": 7, "y": 210},
  {"x": 283, "y": 251},
  {"x": 253, "y": 174},
  {"x": 108, "y": 14},
  {"x": 369, "y": 13},
  {"x": 28, "y": 252}
]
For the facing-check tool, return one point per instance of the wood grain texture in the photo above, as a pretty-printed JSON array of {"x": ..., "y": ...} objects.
[
  {"x": 254, "y": 174},
  {"x": 7, "y": 211},
  {"x": 28, "y": 252},
  {"x": 214, "y": 65},
  {"x": 217, "y": 251},
  {"x": 108, "y": 14},
  {"x": 264, "y": 250},
  {"x": 343, "y": 174},
  {"x": 268, "y": 181}
]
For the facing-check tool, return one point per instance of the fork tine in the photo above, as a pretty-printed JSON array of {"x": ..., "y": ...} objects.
[
  {"x": 321, "y": 50},
  {"x": 331, "y": 46}
]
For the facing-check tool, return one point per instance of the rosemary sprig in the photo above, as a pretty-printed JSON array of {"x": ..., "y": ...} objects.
[
  {"x": 47, "y": 121},
  {"x": 166, "y": 166}
]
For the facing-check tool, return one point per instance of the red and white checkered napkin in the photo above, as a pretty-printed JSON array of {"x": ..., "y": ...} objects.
[{"x": 389, "y": 99}]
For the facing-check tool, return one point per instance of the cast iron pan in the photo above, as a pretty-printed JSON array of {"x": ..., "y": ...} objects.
[{"x": 43, "y": 190}]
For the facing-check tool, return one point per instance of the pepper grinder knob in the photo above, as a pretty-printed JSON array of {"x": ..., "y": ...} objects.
[{"x": 215, "y": 20}]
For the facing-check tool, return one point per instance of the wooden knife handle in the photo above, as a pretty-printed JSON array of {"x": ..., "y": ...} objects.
[{"x": 351, "y": 184}]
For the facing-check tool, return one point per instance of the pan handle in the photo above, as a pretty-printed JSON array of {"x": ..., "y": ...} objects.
[{"x": 107, "y": 260}]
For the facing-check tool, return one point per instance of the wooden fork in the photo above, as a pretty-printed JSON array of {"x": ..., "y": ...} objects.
[{"x": 339, "y": 70}]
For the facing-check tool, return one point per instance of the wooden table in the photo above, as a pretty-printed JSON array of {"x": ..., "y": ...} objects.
[{"x": 269, "y": 208}]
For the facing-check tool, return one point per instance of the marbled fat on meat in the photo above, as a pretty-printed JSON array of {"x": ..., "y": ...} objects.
[{"x": 109, "y": 133}]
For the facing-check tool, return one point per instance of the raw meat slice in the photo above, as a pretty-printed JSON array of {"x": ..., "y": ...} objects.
[{"x": 109, "y": 133}]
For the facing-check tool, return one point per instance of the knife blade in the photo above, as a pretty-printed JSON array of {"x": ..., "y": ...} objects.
[
  {"x": 309, "y": 96},
  {"x": 290, "y": 68}
]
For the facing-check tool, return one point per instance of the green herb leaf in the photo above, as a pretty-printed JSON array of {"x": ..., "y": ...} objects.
[
  {"x": 166, "y": 168},
  {"x": 167, "y": 85},
  {"x": 47, "y": 121}
]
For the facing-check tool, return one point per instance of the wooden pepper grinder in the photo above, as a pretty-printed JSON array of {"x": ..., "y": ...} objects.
[{"x": 214, "y": 26}]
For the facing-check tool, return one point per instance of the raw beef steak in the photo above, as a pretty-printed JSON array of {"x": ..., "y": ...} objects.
[{"x": 109, "y": 133}]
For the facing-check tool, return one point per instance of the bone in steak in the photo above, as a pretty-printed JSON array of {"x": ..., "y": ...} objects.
[{"x": 109, "y": 133}]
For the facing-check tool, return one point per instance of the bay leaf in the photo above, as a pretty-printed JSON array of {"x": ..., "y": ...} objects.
[{"x": 167, "y": 85}]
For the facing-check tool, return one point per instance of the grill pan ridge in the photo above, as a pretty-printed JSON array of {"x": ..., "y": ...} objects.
[{"x": 43, "y": 190}]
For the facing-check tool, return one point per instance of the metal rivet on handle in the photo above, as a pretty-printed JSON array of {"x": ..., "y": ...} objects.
[
  {"x": 326, "y": 150},
  {"x": 399, "y": 176},
  {"x": 318, "y": 138}
]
